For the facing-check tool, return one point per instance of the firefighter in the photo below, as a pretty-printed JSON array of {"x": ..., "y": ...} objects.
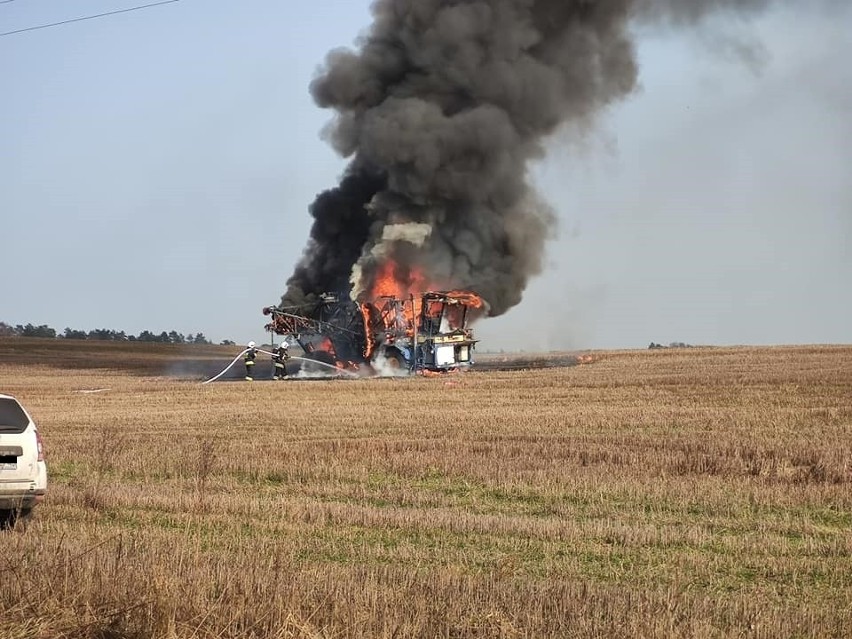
[
  {"x": 249, "y": 357},
  {"x": 279, "y": 356}
]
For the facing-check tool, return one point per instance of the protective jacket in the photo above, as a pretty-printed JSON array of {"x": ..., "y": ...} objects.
[{"x": 279, "y": 355}]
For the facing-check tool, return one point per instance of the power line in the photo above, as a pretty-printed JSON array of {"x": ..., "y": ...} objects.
[{"x": 99, "y": 15}]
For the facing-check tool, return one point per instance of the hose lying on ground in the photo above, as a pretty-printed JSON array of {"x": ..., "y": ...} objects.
[{"x": 227, "y": 368}]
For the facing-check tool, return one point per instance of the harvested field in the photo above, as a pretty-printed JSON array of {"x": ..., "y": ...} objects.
[{"x": 692, "y": 493}]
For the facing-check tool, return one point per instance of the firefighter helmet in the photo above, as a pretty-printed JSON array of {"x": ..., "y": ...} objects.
[{"x": 251, "y": 344}]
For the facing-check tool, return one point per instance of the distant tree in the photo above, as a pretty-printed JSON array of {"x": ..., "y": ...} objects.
[
  {"x": 227, "y": 342},
  {"x": 45, "y": 331},
  {"x": 104, "y": 334},
  {"x": 42, "y": 330},
  {"x": 108, "y": 334}
]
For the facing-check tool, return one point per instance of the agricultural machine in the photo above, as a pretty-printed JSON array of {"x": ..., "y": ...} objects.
[{"x": 430, "y": 332}]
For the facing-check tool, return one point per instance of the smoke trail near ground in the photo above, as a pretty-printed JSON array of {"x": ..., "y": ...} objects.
[{"x": 441, "y": 109}]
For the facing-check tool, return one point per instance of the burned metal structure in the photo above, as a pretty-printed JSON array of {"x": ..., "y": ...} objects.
[{"x": 426, "y": 333}]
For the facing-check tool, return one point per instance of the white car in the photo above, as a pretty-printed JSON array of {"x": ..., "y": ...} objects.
[{"x": 23, "y": 471}]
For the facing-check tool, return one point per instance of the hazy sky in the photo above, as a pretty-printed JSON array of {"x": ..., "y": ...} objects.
[{"x": 156, "y": 168}]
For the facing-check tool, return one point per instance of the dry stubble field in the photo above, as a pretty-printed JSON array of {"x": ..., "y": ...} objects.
[{"x": 674, "y": 493}]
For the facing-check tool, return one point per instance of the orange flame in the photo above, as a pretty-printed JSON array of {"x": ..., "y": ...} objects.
[
  {"x": 468, "y": 298},
  {"x": 371, "y": 342},
  {"x": 395, "y": 280}
]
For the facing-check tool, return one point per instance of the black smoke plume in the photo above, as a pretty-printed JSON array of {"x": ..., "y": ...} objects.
[{"x": 441, "y": 108}]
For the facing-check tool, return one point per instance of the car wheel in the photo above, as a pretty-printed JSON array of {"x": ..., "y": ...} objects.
[
  {"x": 7, "y": 518},
  {"x": 15, "y": 518}
]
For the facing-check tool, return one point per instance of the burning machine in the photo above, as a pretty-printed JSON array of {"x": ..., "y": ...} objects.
[{"x": 431, "y": 332}]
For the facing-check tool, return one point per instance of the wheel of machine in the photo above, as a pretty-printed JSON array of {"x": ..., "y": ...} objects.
[{"x": 395, "y": 360}]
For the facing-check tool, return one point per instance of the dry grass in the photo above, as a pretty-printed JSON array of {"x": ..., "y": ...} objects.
[{"x": 693, "y": 493}]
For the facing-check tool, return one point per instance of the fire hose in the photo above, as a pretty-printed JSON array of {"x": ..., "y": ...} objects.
[{"x": 259, "y": 350}]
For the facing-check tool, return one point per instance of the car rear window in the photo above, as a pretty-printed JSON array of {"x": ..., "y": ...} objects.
[{"x": 13, "y": 419}]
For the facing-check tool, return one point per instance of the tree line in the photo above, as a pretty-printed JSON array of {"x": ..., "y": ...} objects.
[{"x": 43, "y": 330}]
